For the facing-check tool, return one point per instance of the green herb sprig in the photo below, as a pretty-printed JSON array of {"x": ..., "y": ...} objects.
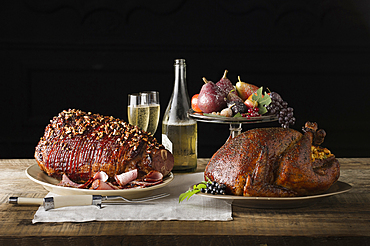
[{"x": 196, "y": 189}]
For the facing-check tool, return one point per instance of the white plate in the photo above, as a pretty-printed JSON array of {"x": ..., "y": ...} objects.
[
  {"x": 35, "y": 174},
  {"x": 282, "y": 202}
]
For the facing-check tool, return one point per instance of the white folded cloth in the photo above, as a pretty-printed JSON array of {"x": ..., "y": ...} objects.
[{"x": 168, "y": 208}]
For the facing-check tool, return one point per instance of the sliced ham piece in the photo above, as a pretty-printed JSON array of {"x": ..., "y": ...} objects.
[
  {"x": 153, "y": 176},
  {"x": 66, "y": 182},
  {"x": 99, "y": 181},
  {"x": 85, "y": 185},
  {"x": 125, "y": 178},
  {"x": 145, "y": 184},
  {"x": 101, "y": 185},
  {"x": 101, "y": 175}
]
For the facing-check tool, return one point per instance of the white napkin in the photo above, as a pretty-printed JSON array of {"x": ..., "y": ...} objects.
[{"x": 168, "y": 208}]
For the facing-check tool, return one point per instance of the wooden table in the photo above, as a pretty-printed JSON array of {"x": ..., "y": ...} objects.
[{"x": 339, "y": 220}]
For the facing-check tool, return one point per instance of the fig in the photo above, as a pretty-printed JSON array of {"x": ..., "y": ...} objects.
[
  {"x": 251, "y": 103},
  {"x": 237, "y": 107},
  {"x": 231, "y": 97},
  {"x": 227, "y": 112}
]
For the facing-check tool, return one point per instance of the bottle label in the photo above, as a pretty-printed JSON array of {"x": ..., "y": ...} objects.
[{"x": 166, "y": 142}]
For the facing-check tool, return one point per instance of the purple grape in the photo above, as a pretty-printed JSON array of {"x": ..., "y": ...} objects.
[{"x": 280, "y": 108}]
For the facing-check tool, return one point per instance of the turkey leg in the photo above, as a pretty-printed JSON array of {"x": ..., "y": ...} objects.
[{"x": 297, "y": 170}]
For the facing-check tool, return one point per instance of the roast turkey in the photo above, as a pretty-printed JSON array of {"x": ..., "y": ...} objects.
[
  {"x": 275, "y": 162},
  {"x": 80, "y": 144}
]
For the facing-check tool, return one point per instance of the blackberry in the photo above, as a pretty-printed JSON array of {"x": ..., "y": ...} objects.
[{"x": 214, "y": 188}]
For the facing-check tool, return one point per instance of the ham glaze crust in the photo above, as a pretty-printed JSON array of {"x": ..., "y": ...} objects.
[{"x": 80, "y": 144}]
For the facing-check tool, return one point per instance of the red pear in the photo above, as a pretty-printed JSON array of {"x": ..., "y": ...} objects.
[
  {"x": 225, "y": 84},
  {"x": 211, "y": 98},
  {"x": 245, "y": 89}
]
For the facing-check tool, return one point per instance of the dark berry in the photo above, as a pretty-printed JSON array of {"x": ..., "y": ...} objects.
[
  {"x": 280, "y": 108},
  {"x": 238, "y": 107}
]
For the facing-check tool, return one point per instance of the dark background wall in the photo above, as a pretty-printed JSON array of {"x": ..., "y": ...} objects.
[{"x": 89, "y": 55}]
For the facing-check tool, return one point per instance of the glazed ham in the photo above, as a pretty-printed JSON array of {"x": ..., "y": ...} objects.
[
  {"x": 275, "y": 162},
  {"x": 80, "y": 145}
]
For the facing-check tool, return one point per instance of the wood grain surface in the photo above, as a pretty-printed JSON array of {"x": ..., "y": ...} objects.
[{"x": 338, "y": 220}]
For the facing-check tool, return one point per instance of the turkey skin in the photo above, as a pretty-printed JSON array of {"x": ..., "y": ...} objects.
[{"x": 275, "y": 162}]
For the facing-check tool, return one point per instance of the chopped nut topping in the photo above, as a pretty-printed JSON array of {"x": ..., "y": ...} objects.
[{"x": 72, "y": 123}]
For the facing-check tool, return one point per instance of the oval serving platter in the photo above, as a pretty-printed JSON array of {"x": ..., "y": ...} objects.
[
  {"x": 37, "y": 175},
  {"x": 282, "y": 202}
]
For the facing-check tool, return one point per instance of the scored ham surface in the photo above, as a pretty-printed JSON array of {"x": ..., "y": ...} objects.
[{"x": 80, "y": 144}]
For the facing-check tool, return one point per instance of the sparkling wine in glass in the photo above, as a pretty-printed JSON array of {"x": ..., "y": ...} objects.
[
  {"x": 154, "y": 110},
  {"x": 138, "y": 110}
]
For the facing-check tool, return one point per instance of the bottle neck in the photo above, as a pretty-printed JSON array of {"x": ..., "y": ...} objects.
[
  {"x": 179, "y": 105},
  {"x": 180, "y": 90}
]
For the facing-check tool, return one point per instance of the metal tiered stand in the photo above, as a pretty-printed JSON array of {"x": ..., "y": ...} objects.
[{"x": 234, "y": 122}]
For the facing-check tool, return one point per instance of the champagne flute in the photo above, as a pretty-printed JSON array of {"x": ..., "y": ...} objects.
[
  {"x": 138, "y": 110},
  {"x": 154, "y": 110}
]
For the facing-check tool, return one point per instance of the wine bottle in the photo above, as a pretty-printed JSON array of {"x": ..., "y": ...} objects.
[{"x": 179, "y": 132}]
